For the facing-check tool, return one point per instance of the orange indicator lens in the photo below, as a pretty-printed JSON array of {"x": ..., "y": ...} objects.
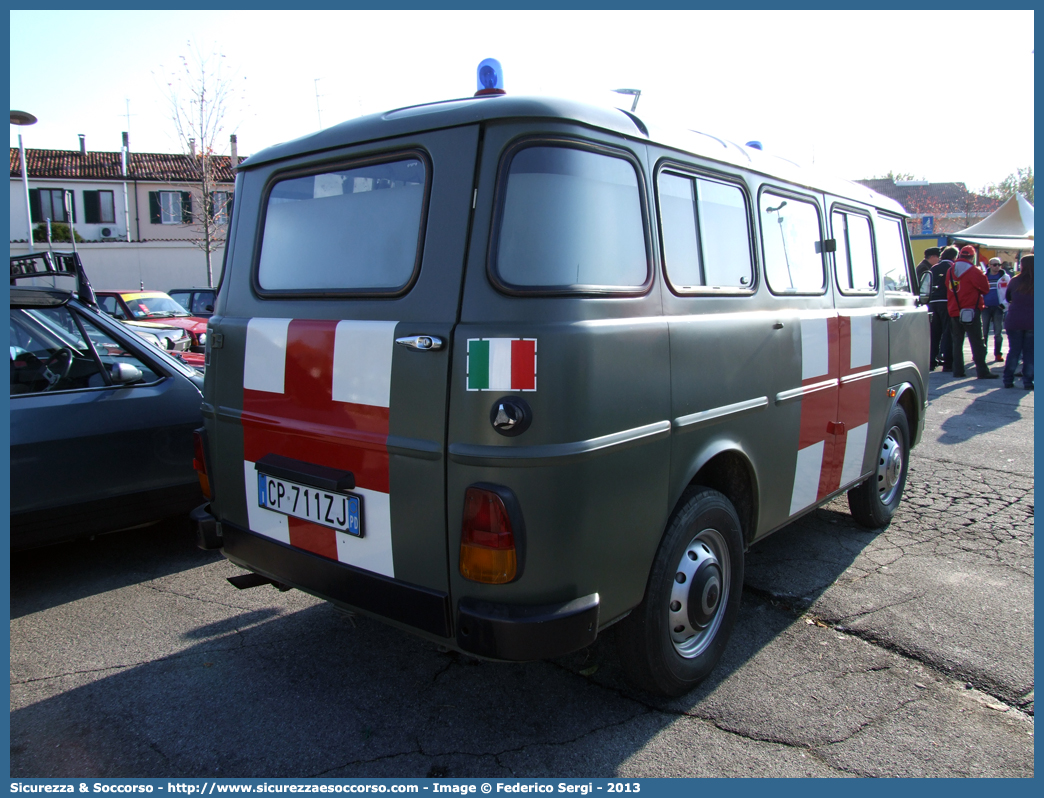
[{"x": 487, "y": 544}]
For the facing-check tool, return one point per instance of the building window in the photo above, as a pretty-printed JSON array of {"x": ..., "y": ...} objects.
[
  {"x": 170, "y": 207},
  {"x": 99, "y": 207},
  {"x": 221, "y": 206},
  {"x": 49, "y": 203}
]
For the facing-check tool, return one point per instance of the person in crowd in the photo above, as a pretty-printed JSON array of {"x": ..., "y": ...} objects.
[
  {"x": 1019, "y": 324},
  {"x": 941, "y": 349},
  {"x": 965, "y": 288},
  {"x": 931, "y": 257},
  {"x": 993, "y": 307}
]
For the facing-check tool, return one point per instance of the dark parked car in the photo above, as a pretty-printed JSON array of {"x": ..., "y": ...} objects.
[
  {"x": 198, "y": 301},
  {"x": 138, "y": 305},
  {"x": 101, "y": 421}
]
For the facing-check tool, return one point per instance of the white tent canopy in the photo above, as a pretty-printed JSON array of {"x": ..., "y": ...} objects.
[{"x": 1008, "y": 227}]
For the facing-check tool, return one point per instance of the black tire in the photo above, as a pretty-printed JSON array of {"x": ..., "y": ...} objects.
[
  {"x": 674, "y": 638},
  {"x": 874, "y": 501}
]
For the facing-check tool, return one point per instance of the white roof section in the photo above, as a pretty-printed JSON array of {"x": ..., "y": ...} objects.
[{"x": 714, "y": 148}]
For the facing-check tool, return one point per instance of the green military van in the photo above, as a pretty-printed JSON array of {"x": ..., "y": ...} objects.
[{"x": 506, "y": 371}]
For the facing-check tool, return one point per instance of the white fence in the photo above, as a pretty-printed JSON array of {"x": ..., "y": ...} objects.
[{"x": 159, "y": 265}]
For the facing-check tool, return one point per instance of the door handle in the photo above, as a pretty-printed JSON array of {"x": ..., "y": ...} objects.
[
  {"x": 889, "y": 316},
  {"x": 422, "y": 343}
]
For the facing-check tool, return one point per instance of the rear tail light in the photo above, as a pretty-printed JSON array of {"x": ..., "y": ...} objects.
[
  {"x": 199, "y": 462},
  {"x": 488, "y": 551}
]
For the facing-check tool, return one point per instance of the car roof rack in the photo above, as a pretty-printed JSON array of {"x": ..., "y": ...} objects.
[{"x": 54, "y": 264}]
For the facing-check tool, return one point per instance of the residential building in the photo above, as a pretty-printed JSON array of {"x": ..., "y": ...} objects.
[
  {"x": 949, "y": 206},
  {"x": 137, "y": 213}
]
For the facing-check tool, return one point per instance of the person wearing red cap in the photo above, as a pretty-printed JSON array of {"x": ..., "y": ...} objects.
[{"x": 965, "y": 288}]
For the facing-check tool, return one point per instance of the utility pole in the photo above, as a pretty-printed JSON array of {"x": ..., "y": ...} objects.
[{"x": 25, "y": 118}]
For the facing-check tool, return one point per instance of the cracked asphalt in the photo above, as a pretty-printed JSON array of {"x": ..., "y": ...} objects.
[{"x": 899, "y": 652}]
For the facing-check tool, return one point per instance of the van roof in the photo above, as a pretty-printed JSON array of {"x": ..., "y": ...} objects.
[{"x": 472, "y": 110}]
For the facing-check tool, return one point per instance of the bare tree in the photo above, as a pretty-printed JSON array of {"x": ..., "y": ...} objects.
[
  {"x": 1021, "y": 181},
  {"x": 200, "y": 92}
]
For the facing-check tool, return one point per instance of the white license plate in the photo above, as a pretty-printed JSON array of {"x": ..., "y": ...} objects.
[{"x": 336, "y": 510}]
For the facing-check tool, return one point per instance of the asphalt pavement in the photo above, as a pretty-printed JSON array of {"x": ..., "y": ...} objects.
[{"x": 902, "y": 652}]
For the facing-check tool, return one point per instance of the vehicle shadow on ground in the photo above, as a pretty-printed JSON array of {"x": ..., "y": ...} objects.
[
  {"x": 53, "y": 575},
  {"x": 272, "y": 693}
]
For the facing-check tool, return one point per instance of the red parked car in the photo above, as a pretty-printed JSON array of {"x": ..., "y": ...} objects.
[{"x": 154, "y": 306}]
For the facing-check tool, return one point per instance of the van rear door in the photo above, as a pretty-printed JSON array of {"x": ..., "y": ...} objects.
[{"x": 328, "y": 376}]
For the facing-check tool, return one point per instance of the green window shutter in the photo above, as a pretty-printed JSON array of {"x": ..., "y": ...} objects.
[
  {"x": 231, "y": 197},
  {"x": 91, "y": 207},
  {"x": 186, "y": 207},
  {"x": 34, "y": 205},
  {"x": 154, "y": 208}
]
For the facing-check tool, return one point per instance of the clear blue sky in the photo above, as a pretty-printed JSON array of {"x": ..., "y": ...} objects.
[{"x": 945, "y": 95}]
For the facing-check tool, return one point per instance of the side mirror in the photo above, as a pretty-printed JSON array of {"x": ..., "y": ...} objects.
[
  {"x": 209, "y": 308},
  {"x": 125, "y": 374},
  {"x": 925, "y": 290}
]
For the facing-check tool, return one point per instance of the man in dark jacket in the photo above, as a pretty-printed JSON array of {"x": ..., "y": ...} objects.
[
  {"x": 931, "y": 257},
  {"x": 965, "y": 288},
  {"x": 941, "y": 348}
]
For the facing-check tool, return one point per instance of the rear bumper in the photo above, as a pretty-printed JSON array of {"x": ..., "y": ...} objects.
[
  {"x": 419, "y": 607},
  {"x": 495, "y": 631},
  {"x": 519, "y": 633}
]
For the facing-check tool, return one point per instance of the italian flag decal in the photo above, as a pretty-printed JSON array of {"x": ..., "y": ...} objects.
[{"x": 502, "y": 364}]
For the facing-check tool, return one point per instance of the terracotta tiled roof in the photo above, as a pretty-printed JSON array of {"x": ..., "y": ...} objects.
[
  {"x": 70, "y": 164},
  {"x": 933, "y": 197}
]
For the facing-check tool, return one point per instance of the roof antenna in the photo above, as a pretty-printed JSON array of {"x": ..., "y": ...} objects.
[{"x": 635, "y": 92}]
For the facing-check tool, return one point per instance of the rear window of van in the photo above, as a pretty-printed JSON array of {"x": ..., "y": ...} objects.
[
  {"x": 347, "y": 230},
  {"x": 571, "y": 219}
]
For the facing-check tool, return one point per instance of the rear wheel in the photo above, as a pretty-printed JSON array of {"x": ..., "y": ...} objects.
[
  {"x": 874, "y": 502},
  {"x": 675, "y": 637}
]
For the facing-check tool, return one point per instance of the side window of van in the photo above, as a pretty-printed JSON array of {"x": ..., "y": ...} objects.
[
  {"x": 891, "y": 253},
  {"x": 570, "y": 218},
  {"x": 791, "y": 238},
  {"x": 706, "y": 236},
  {"x": 854, "y": 257},
  {"x": 348, "y": 230}
]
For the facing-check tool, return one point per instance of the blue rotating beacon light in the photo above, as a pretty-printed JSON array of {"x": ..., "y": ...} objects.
[{"x": 490, "y": 78}]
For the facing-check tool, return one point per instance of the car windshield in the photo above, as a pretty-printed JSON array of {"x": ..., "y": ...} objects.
[{"x": 156, "y": 306}]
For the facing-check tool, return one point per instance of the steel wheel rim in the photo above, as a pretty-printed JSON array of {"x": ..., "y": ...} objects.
[
  {"x": 705, "y": 557},
  {"x": 890, "y": 466}
]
